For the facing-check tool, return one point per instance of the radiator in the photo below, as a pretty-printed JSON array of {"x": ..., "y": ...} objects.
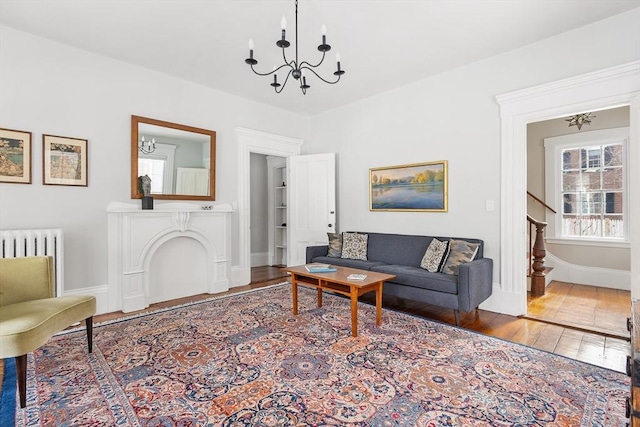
[{"x": 20, "y": 243}]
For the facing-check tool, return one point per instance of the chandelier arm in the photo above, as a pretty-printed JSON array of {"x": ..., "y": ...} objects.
[
  {"x": 272, "y": 71},
  {"x": 320, "y": 77},
  {"x": 311, "y": 65},
  {"x": 285, "y": 81}
]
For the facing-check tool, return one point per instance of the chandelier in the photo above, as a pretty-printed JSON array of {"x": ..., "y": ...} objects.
[
  {"x": 147, "y": 147},
  {"x": 579, "y": 120},
  {"x": 295, "y": 68}
]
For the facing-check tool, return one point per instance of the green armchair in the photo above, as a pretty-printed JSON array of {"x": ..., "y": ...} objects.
[{"x": 30, "y": 314}]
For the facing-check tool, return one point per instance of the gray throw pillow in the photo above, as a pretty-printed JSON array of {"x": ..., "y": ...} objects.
[
  {"x": 335, "y": 245},
  {"x": 460, "y": 251},
  {"x": 354, "y": 245},
  {"x": 435, "y": 254}
]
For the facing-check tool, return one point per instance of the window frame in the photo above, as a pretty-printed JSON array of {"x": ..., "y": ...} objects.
[{"x": 553, "y": 148}]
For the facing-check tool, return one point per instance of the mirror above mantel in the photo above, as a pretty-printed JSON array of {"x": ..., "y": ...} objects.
[{"x": 179, "y": 159}]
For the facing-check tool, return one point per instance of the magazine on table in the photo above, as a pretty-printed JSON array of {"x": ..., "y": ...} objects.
[
  {"x": 319, "y": 268},
  {"x": 356, "y": 276}
]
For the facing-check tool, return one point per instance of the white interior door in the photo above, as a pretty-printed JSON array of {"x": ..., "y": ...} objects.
[{"x": 311, "y": 199}]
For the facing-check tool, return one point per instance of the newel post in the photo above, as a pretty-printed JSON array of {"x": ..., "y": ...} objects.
[{"x": 539, "y": 252}]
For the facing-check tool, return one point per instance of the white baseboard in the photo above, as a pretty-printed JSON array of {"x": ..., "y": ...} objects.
[
  {"x": 239, "y": 276},
  {"x": 585, "y": 275},
  {"x": 100, "y": 292},
  {"x": 505, "y": 302},
  {"x": 259, "y": 259}
]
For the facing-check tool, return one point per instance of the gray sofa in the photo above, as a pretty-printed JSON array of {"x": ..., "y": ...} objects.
[{"x": 401, "y": 255}]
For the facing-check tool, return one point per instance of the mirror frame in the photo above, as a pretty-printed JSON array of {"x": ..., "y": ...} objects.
[{"x": 135, "y": 120}]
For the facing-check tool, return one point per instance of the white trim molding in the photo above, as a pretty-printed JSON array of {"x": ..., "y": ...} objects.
[
  {"x": 599, "y": 90},
  {"x": 253, "y": 141}
]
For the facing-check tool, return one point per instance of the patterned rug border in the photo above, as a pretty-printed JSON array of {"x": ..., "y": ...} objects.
[{"x": 165, "y": 309}]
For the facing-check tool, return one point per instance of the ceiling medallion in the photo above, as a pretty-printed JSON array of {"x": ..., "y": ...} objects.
[{"x": 579, "y": 120}]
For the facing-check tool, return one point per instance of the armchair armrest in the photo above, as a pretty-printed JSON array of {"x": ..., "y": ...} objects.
[
  {"x": 475, "y": 283},
  {"x": 314, "y": 251}
]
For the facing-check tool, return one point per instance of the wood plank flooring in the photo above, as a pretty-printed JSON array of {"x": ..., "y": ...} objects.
[{"x": 567, "y": 306}]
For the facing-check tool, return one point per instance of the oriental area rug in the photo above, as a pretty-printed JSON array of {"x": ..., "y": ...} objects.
[{"x": 245, "y": 360}]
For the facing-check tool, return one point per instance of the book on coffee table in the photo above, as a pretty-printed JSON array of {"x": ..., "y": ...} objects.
[
  {"x": 319, "y": 268},
  {"x": 356, "y": 277}
]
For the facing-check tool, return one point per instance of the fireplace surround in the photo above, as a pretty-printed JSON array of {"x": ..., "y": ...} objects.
[{"x": 135, "y": 235}]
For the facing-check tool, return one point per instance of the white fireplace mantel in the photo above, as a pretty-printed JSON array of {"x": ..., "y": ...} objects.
[{"x": 134, "y": 236}]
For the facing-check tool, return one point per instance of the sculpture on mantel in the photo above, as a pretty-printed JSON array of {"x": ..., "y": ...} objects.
[{"x": 144, "y": 187}]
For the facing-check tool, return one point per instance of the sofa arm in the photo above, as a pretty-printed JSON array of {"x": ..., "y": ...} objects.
[
  {"x": 475, "y": 283},
  {"x": 314, "y": 251}
]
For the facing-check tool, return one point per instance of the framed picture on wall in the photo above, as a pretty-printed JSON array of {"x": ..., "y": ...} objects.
[
  {"x": 64, "y": 160},
  {"x": 414, "y": 187},
  {"x": 15, "y": 156}
]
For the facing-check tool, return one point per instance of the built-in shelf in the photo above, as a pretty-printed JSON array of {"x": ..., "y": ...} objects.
[{"x": 277, "y": 184}]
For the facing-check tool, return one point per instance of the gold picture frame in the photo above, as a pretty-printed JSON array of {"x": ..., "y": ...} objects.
[
  {"x": 15, "y": 156},
  {"x": 421, "y": 187},
  {"x": 64, "y": 161}
]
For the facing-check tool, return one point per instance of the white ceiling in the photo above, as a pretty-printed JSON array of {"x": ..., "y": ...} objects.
[{"x": 383, "y": 44}]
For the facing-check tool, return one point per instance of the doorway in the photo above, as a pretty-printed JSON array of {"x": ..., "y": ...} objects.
[
  {"x": 595, "y": 91},
  {"x": 252, "y": 141}
]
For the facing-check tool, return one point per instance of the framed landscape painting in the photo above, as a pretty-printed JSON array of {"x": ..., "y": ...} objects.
[
  {"x": 414, "y": 187},
  {"x": 64, "y": 160},
  {"x": 15, "y": 156}
]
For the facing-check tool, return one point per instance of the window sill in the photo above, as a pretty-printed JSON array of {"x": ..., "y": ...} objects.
[{"x": 600, "y": 243}]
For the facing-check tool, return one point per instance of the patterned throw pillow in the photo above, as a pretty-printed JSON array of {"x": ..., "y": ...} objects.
[
  {"x": 354, "y": 245},
  {"x": 335, "y": 245},
  {"x": 460, "y": 251},
  {"x": 435, "y": 254}
]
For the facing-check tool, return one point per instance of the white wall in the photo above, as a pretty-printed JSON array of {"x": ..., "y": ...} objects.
[
  {"x": 55, "y": 89},
  {"x": 454, "y": 116}
]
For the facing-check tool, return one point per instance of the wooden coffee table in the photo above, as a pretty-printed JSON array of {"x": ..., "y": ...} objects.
[{"x": 337, "y": 282}]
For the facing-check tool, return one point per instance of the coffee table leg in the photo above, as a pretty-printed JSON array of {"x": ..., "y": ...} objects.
[
  {"x": 294, "y": 291},
  {"x": 379, "y": 304},
  {"x": 320, "y": 295},
  {"x": 354, "y": 312}
]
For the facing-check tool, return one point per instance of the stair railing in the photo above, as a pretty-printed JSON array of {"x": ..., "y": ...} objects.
[
  {"x": 536, "y": 259},
  {"x": 537, "y": 251}
]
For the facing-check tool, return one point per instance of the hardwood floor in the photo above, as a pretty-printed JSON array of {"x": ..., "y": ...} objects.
[{"x": 569, "y": 310}]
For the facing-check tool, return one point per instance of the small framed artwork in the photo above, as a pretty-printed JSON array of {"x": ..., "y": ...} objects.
[
  {"x": 64, "y": 160},
  {"x": 415, "y": 187},
  {"x": 15, "y": 156}
]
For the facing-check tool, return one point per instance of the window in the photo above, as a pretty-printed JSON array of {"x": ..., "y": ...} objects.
[{"x": 586, "y": 178}]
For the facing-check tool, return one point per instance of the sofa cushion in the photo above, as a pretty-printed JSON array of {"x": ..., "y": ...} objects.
[
  {"x": 460, "y": 251},
  {"x": 420, "y": 278},
  {"x": 435, "y": 255},
  {"x": 354, "y": 246},
  {"x": 397, "y": 248},
  {"x": 353, "y": 263},
  {"x": 335, "y": 245}
]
